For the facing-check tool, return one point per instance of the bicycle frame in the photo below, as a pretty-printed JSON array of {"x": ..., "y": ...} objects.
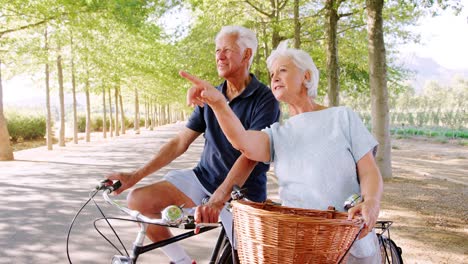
[{"x": 138, "y": 245}]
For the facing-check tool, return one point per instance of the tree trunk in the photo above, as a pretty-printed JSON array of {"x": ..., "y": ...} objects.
[
  {"x": 167, "y": 117},
  {"x": 151, "y": 115},
  {"x": 147, "y": 123},
  {"x": 123, "y": 125},
  {"x": 136, "y": 124},
  {"x": 111, "y": 129},
  {"x": 6, "y": 151},
  {"x": 62, "y": 102},
  {"x": 104, "y": 116},
  {"x": 378, "y": 86},
  {"x": 116, "y": 96},
  {"x": 88, "y": 110},
  {"x": 331, "y": 7},
  {"x": 75, "y": 119},
  {"x": 297, "y": 26},
  {"x": 49, "y": 122}
]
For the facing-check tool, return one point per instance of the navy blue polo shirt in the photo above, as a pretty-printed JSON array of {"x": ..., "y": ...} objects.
[{"x": 257, "y": 108}]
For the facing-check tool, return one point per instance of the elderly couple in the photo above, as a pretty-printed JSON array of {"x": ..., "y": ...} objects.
[{"x": 322, "y": 155}]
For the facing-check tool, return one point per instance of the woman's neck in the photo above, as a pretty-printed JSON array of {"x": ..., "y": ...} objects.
[{"x": 308, "y": 105}]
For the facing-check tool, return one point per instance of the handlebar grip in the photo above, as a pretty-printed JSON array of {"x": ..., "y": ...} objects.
[{"x": 115, "y": 186}]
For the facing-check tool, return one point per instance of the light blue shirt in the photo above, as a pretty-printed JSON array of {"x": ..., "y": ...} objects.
[{"x": 315, "y": 156}]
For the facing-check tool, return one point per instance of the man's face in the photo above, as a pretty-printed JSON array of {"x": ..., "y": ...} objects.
[{"x": 229, "y": 57}]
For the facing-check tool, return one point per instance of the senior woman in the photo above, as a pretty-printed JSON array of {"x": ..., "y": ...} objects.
[{"x": 322, "y": 155}]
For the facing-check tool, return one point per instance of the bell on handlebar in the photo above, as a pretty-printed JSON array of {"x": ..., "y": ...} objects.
[
  {"x": 173, "y": 215},
  {"x": 352, "y": 201},
  {"x": 237, "y": 193}
]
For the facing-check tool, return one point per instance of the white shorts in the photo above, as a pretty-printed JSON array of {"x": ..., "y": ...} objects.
[{"x": 187, "y": 182}]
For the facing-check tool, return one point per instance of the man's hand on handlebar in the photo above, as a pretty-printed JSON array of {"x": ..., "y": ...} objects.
[{"x": 126, "y": 179}]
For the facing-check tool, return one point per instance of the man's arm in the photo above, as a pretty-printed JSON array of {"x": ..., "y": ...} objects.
[
  {"x": 238, "y": 174},
  {"x": 168, "y": 152}
]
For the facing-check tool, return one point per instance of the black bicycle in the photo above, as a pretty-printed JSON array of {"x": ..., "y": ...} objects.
[
  {"x": 221, "y": 254},
  {"x": 391, "y": 253}
]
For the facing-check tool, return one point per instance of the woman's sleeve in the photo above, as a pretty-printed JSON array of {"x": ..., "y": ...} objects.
[
  {"x": 269, "y": 132},
  {"x": 361, "y": 140}
]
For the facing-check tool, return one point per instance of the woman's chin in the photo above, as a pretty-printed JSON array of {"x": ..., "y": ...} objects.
[{"x": 278, "y": 95}]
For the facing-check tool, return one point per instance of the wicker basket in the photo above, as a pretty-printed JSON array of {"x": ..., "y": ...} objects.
[{"x": 267, "y": 233}]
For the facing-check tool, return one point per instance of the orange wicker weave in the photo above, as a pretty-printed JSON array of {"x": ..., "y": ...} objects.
[{"x": 267, "y": 233}]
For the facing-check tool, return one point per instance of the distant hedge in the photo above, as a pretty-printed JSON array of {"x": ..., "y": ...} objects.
[
  {"x": 26, "y": 127},
  {"x": 96, "y": 123}
]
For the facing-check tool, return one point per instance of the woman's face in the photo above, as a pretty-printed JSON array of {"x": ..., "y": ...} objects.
[{"x": 286, "y": 80}]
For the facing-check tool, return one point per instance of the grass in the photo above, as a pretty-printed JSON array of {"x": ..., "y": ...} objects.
[{"x": 28, "y": 144}]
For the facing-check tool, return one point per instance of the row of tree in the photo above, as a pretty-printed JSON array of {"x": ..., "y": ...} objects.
[{"x": 119, "y": 49}]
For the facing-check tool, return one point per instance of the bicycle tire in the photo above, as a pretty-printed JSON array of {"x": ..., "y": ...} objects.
[{"x": 391, "y": 253}]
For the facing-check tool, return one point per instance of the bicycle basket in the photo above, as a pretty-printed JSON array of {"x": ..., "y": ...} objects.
[{"x": 267, "y": 233}]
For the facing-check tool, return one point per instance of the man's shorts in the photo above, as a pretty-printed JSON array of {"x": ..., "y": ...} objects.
[{"x": 187, "y": 182}]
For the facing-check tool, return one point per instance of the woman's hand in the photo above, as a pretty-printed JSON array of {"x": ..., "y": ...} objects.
[
  {"x": 207, "y": 213},
  {"x": 201, "y": 92},
  {"x": 369, "y": 210}
]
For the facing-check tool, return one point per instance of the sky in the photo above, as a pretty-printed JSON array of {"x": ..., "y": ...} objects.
[{"x": 443, "y": 39}]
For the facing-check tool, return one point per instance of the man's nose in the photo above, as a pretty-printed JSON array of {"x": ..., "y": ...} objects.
[{"x": 221, "y": 56}]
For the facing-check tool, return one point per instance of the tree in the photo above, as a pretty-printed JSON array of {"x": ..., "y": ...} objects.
[
  {"x": 136, "y": 124},
  {"x": 378, "y": 86},
  {"x": 62, "y": 101},
  {"x": 49, "y": 133},
  {"x": 6, "y": 152},
  {"x": 104, "y": 114},
  {"x": 331, "y": 7},
  {"x": 72, "y": 69}
]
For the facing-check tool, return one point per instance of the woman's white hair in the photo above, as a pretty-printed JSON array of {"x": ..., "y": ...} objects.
[
  {"x": 246, "y": 38},
  {"x": 302, "y": 60}
]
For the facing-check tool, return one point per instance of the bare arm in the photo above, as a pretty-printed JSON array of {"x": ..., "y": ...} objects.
[
  {"x": 255, "y": 145},
  {"x": 371, "y": 190},
  {"x": 238, "y": 174},
  {"x": 168, "y": 152}
]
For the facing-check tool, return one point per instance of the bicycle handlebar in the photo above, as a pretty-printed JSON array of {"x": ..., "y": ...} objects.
[{"x": 186, "y": 223}]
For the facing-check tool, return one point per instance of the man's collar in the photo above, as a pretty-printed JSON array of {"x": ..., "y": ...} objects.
[{"x": 248, "y": 91}]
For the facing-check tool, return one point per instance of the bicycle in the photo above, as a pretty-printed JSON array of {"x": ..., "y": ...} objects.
[
  {"x": 221, "y": 254},
  {"x": 391, "y": 253}
]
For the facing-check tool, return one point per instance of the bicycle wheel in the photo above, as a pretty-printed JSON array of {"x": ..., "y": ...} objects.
[{"x": 391, "y": 253}]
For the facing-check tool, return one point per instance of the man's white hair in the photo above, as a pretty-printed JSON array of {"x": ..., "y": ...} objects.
[
  {"x": 302, "y": 60},
  {"x": 246, "y": 38}
]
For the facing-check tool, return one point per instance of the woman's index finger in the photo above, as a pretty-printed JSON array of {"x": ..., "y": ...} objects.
[{"x": 193, "y": 79}]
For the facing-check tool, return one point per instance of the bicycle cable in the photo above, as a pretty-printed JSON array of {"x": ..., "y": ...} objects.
[
  {"x": 112, "y": 228},
  {"x": 91, "y": 196}
]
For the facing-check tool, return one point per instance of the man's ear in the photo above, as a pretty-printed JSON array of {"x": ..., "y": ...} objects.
[{"x": 247, "y": 54}]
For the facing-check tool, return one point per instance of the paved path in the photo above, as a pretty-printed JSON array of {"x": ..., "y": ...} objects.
[{"x": 42, "y": 190}]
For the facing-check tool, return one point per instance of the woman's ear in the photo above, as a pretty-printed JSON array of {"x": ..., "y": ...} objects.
[{"x": 307, "y": 76}]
